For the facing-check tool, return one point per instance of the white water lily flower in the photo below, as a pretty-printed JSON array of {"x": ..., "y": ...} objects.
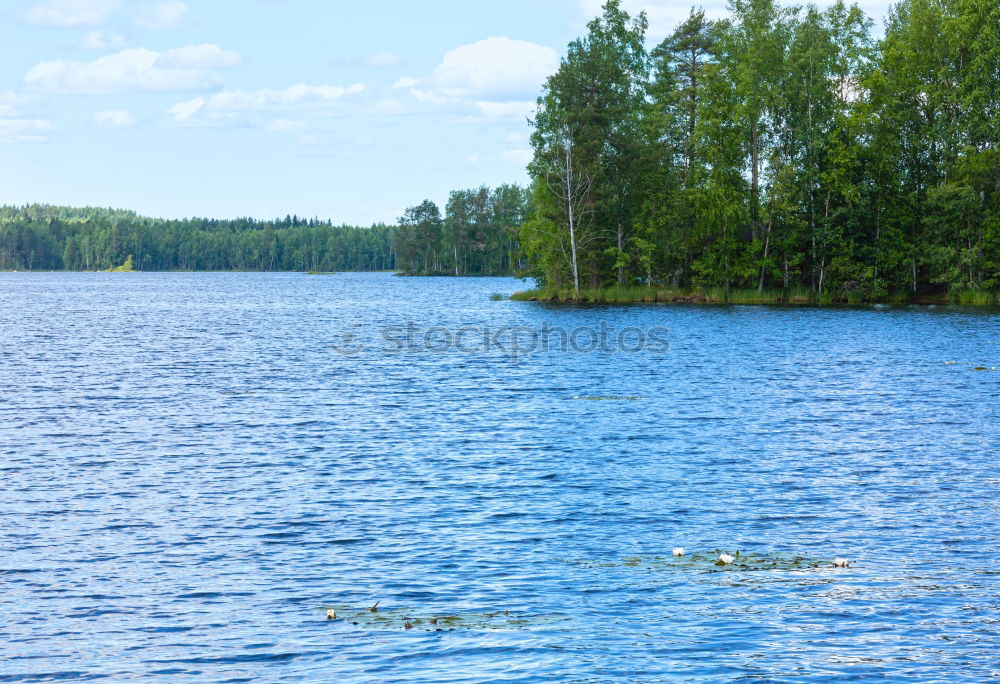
[
  {"x": 331, "y": 614},
  {"x": 726, "y": 558},
  {"x": 840, "y": 563},
  {"x": 679, "y": 551}
]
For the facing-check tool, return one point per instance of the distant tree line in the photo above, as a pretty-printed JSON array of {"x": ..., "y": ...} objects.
[
  {"x": 478, "y": 234},
  {"x": 42, "y": 237},
  {"x": 776, "y": 148},
  {"x": 780, "y": 148}
]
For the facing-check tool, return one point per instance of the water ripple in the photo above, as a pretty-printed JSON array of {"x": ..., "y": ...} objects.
[{"x": 191, "y": 476}]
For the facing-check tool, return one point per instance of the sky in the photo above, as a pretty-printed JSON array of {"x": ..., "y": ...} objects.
[{"x": 336, "y": 109}]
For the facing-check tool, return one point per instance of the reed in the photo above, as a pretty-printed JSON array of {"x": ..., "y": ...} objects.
[
  {"x": 526, "y": 295},
  {"x": 720, "y": 295},
  {"x": 974, "y": 297},
  {"x": 755, "y": 297},
  {"x": 799, "y": 295}
]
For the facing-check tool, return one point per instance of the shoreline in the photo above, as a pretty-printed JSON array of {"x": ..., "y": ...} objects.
[{"x": 795, "y": 297}]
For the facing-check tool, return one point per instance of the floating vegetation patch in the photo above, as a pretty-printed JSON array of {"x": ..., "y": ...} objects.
[
  {"x": 422, "y": 620},
  {"x": 709, "y": 561},
  {"x": 634, "y": 397},
  {"x": 975, "y": 368},
  {"x": 497, "y": 297}
]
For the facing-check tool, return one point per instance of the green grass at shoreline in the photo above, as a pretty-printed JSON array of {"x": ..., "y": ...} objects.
[{"x": 720, "y": 295}]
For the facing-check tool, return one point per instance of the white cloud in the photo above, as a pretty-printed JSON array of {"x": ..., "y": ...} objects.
[
  {"x": 168, "y": 14},
  {"x": 229, "y": 104},
  {"x": 284, "y": 126},
  {"x": 499, "y": 69},
  {"x": 505, "y": 110},
  {"x": 308, "y": 140},
  {"x": 102, "y": 40},
  {"x": 183, "y": 112},
  {"x": 12, "y": 104},
  {"x": 114, "y": 118},
  {"x": 493, "y": 78},
  {"x": 205, "y": 56},
  {"x": 25, "y": 130},
  {"x": 71, "y": 12},
  {"x": 432, "y": 96},
  {"x": 123, "y": 72},
  {"x": 378, "y": 60},
  {"x": 406, "y": 82}
]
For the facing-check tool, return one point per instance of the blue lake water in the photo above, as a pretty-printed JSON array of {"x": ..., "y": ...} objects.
[{"x": 194, "y": 468}]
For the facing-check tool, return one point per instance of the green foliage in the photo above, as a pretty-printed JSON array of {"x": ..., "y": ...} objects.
[
  {"x": 590, "y": 155},
  {"x": 779, "y": 151},
  {"x": 975, "y": 297},
  {"x": 477, "y": 236},
  {"x": 777, "y": 155},
  {"x": 43, "y": 237},
  {"x": 127, "y": 267}
]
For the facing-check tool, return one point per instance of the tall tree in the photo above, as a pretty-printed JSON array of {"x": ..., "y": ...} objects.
[
  {"x": 676, "y": 94},
  {"x": 589, "y": 149}
]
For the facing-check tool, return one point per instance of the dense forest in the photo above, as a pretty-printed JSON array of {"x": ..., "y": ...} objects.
[
  {"x": 777, "y": 148},
  {"x": 478, "y": 234},
  {"x": 42, "y": 237},
  {"x": 781, "y": 150}
]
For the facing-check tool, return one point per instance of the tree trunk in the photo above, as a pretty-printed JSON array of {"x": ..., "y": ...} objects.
[
  {"x": 572, "y": 226},
  {"x": 754, "y": 179},
  {"x": 691, "y": 120},
  {"x": 878, "y": 235},
  {"x": 621, "y": 250},
  {"x": 767, "y": 244}
]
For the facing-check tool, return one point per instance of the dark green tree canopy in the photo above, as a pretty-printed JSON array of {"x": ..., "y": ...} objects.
[{"x": 781, "y": 147}]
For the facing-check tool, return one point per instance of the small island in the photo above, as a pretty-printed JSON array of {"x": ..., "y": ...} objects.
[{"x": 779, "y": 155}]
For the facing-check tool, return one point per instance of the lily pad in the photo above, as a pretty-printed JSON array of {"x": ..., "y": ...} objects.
[
  {"x": 708, "y": 561},
  {"x": 422, "y": 619}
]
